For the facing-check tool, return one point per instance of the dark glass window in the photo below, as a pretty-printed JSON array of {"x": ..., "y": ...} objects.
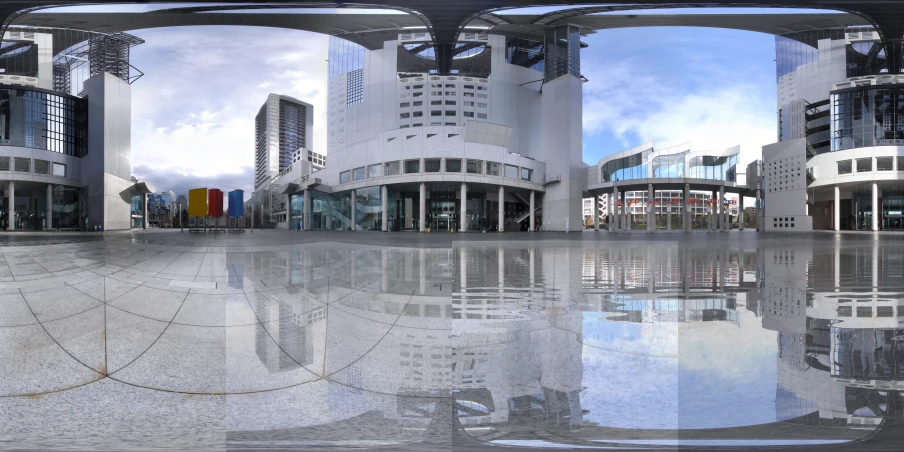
[
  {"x": 432, "y": 165},
  {"x": 526, "y": 173},
  {"x": 475, "y": 166},
  {"x": 22, "y": 165},
  {"x": 391, "y": 168},
  {"x": 453, "y": 165},
  {"x": 511, "y": 171},
  {"x": 864, "y": 164},
  {"x": 42, "y": 166},
  {"x": 493, "y": 168},
  {"x": 412, "y": 166},
  {"x": 885, "y": 163},
  {"x": 345, "y": 176},
  {"x": 4, "y": 163},
  {"x": 844, "y": 167}
]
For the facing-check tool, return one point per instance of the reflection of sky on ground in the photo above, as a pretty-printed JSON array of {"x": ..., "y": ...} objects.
[{"x": 678, "y": 376}]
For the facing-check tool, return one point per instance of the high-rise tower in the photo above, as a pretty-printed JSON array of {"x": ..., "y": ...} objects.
[{"x": 282, "y": 126}]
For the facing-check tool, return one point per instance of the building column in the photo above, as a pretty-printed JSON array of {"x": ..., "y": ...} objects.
[
  {"x": 615, "y": 213},
  {"x": 651, "y": 217},
  {"x": 11, "y": 206},
  {"x": 49, "y": 207},
  {"x": 712, "y": 211},
  {"x": 723, "y": 212},
  {"x": 351, "y": 216},
  {"x": 145, "y": 214},
  {"x": 668, "y": 226},
  {"x": 740, "y": 212},
  {"x": 877, "y": 210},
  {"x": 306, "y": 211},
  {"x": 596, "y": 212},
  {"x": 384, "y": 204},
  {"x": 837, "y": 207},
  {"x": 463, "y": 220},
  {"x": 627, "y": 212},
  {"x": 686, "y": 208},
  {"x": 422, "y": 202},
  {"x": 501, "y": 210},
  {"x": 610, "y": 206},
  {"x": 533, "y": 213}
]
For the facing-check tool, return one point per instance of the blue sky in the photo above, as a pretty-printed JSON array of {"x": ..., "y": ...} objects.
[{"x": 193, "y": 111}]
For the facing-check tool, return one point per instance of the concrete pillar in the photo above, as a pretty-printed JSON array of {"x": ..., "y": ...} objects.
[
  {"x": 686, "y": 208},
  {"x": 596, "y": 212},
  {"x": 610, "y": 209},
  {"x": 651, "y": 217},
  {"x": 463, "y": 211},
  {"x": 877, "y": 211},
  {"x": 49, "y": 207},
  {"x": 836, "y": 216},
  {"x": 144, "y": 222},
  {"x": 351, "y": 215},
  {"x": 668, "y": 218},
  {"x": 422, "y": 202},
  {"x": 533, "y": 213},
  {"x": 627, "y": 213},
  {"x": 307, "y": 211},
  {"x": 501, "y": 210},
  {"x": 723, "y": 212},
  {"x": 384, "y": 201},
  {"x": 616, "y": 214},
  {"x": 712, "y": 211},
  {"x": 757, "y": 209},
  {"x": 11, "y": 206}
]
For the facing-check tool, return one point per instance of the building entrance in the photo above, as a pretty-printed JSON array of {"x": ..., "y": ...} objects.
[{"x": 893, "y": 212}]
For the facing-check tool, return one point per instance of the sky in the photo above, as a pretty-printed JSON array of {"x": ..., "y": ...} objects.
[{"x": 193, "y": 111}]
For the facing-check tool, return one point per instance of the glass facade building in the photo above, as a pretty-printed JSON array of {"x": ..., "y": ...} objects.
[
  {"x": 868, "y": 116},
  {"x": 39, "y": 119}
]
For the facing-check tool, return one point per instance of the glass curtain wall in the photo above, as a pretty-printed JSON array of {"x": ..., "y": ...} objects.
[
  {"x": 669, "y": 165},
  {"x": 137, "y": 211},
  {"x": 39, "y": 120},
  {"x": 714, "y": 168},
  {"x": 864, "y": 117},
  {"x": 296, "y": 210},
  {"x": 65, "y": 207},
  {"x": 330, "y": 212},
  {"x": 476, "y": 211},
  {"x": 368, "y": 209},
  {"x": 626, "y": 168}
]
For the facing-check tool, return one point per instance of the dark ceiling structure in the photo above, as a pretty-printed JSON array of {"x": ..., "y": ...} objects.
[{"x": 446, "y": 19}]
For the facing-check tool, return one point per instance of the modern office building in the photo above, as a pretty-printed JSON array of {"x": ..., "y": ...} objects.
[
  {"x": 477, "y": 125},
  {"x": 282, "y": 127},
  {"x": 65, "y": 110}
]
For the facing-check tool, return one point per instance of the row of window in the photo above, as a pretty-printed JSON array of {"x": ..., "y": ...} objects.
[
  {"x": 783, "y": 222},
  {"x": 471, "y": 166},
  {"x": 23, "y": 165},
  {"x": 865, "y": 164}
]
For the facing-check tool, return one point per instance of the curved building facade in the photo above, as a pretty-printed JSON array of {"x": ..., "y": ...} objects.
[{"x": 482, "y": 148}]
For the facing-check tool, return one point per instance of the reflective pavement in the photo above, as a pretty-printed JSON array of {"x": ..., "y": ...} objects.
[{"x": 438, "y": 341}]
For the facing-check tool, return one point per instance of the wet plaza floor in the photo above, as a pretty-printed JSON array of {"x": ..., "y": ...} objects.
[{"x": 279, "y": 339}]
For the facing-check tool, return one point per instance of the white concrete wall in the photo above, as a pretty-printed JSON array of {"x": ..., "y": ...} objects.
[
  {"x": 106, "y": 169},
  {"x": 785, "y": 186},
  {"x": 561, "y": 142}
]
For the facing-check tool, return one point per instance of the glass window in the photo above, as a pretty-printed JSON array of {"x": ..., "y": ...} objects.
[
  {"x": 418, "y": 114},
  {"x": 481, "y": 115},
  {"x": 900, "y": 163},
  {"x": 450, "y": 113},
  {"x": 526, "y": 173},
  {"x": 417, "y": 103},
  {"x": 23, "y": 165},
  {"x": 432, "y": 165},
  {"x": 467, "y": 94},
  {"x": 358, "y": 173},
  {"x": 864, "y": 164},
  {"x": 436, "y": 112},
  {"x": 493, "y": 168},
  {"x": 453, "y": 165},
  {"x": 417, "y": 94},
  {"x": 404, "y": 105},
  {"x": 345, "y": 177},
  {"x": 42, "y": 166},
  {"x": 436, "y": 102},
  {"x": 391, "y": 168},
  {"x": 468, "y": 103},
  {"x": 450, "y": 102},
  {"x": 475, "y": 166},
  {"x": 373, "y": 171},
  {"x": 404, "y": 115},
  {"x": 885, "y": 163},
  {"x": 844, "y": 167},
  {"x": 511, "y": 171},
  {"x": 450, "y": 93},
  {"x": 4, "y": 163},
  {"x": 468, "y": 114},
  {"x": 412, "y": 166}
]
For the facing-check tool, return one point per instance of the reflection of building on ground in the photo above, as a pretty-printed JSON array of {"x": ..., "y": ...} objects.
[
  {"x": 839, "y": 349},
  {"x": 658, "y": 285}
]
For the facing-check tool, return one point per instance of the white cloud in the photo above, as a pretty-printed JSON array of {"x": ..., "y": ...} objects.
[
  {"x": 193, "y": 112},
  {"x": 716, "y": 113}
]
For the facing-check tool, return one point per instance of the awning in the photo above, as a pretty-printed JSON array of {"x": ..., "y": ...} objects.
[
  {"x": 288, "y": 189},
  {"x": 143, "y": 188}
]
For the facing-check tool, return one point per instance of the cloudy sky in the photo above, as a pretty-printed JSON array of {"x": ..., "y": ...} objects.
[{"x": 193, "y": 111}]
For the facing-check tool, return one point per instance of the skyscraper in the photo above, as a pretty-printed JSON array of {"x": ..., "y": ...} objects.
[{"x": 282, "y": 126}]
